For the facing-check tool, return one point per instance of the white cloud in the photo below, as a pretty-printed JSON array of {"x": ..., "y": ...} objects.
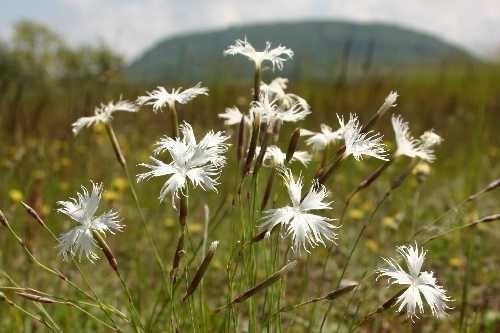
[{"x": 132, "y": 25}]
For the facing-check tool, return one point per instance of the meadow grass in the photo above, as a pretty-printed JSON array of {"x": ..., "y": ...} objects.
[{"x": 249, "y": 285}]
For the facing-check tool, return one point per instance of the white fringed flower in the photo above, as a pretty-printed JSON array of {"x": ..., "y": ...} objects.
[
  {"x": 79, "y": 240},
  {"x": 358, "y": 143},
  {"x": 411, "y": 147},
  {"x": 276, "y": 90},
  {"x": 200, "y": 162},
  {"x": 307, "y": 229},
  {"x": 160, "y": 97},
  {"x": 277, "y": 56},
  {"x": 274, "y": 157},
  {"x": 320, "y": 140},
  {"x": 270, "y": 111},
  {"x": 232, "y": 116},
  {"x": 103, "y": 114},
  {"x": 420, "y": 283}
]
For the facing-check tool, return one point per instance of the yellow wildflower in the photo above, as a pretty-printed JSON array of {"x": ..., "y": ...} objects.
[
  {"x": 372, "y": 245},
  {"x": 16, "y": 195}
]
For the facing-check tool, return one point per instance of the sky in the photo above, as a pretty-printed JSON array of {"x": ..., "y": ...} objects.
[{"x": 131, "y": 26}]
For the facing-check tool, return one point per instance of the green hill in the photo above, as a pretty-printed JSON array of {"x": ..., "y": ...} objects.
[{"x": 323, "y": 49}]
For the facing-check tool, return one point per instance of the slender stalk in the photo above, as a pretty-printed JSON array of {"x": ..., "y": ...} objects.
[
  {"x": 40, "y": 297},
  {"x": 269, "y": 189},
  {"x": 180, "y": 242},
  {"x": 262, "y": 153},
  {"x": 465, "y": 288},
  {"x": 174, "y": 120},
  {"x": 94, "y": 297},
  {"x": 324, "y": 175},
  {"x": 490, "y": 187},
  {"x": 253, "y": 144},
  {"x": 40, "y": 306},
  {"x": 114, "y": 265},
  {"x": 486, "y": 219},
  {"x": 363, "y": 185},
  {"x": 384, "y": 307},
  {"x": 5, "y": 222},
  {"x": 273, "y": 278},
  {"x": 123, "y": 163},
  {"x": 201, "y": 270},
  {"x": 240, "y": 148},
  {"x": 332, "y": 295},
  {"x": 26, "y": 312},
  {"x": 395, "y": 184},
  {"x": 292, "y": 145},
  {"x": 256, "y": 83}
]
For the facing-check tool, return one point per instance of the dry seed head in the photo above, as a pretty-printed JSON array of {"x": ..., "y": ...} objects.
[
  {"x": 292, "y": 146},
  {"x": 3, "y": 219},
  {"x": 490, "y": 187},
  {"x": 106, "y": 250},
  {"x": 391, "y": 301},
  {"x": 260, "y": 286},
  {"x": 201, "y": 270},
  {"x": 116, "y": 146},
  {"x": 489, "y": 218},
  {"x": 33, "y": 213},
  {"x": 266, "y": 283},
  {"x": 341, "y": 291},
  {"x": 179, "y": 252},
  {"x": 36, "y": 298},
  {"x": 254, "y": 138}
]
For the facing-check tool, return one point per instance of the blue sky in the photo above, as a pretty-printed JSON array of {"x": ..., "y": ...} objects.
[{"x": 130, "y": 26}]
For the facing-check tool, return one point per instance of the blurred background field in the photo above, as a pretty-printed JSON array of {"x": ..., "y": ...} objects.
[{"x": 46, "y": 84}]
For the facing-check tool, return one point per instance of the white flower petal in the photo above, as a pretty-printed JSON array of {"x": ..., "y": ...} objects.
[
  {"x": 103, "y": 114},
  {"x": 314, "y": 198},
  {"x": 109, "y": 221},
  {"x": 231, "y": 116},
  {"x": 77, "y": 242}
]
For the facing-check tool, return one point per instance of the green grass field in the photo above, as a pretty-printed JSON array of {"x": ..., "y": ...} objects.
[{"x": 41, "y": 162}]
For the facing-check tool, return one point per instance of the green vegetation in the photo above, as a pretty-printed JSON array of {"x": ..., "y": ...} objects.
[{"x": 45, "y": 86}]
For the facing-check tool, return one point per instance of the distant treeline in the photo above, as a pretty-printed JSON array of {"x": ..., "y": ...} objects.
[{"x": 43, "y": 80}]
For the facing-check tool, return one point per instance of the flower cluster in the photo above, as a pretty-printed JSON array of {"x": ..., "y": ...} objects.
[{"x": 193, "y": 165}]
